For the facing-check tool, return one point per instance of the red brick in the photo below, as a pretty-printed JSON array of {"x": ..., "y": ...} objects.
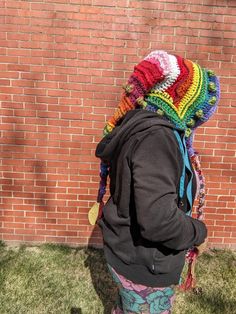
[
  {"x": 34, "y": 238},
  {"x": 46, "y": 232},
  {"x": 12, "y": 237},
  {"x": 230, "y": 240},
  {"x": 56, "y": 239}
]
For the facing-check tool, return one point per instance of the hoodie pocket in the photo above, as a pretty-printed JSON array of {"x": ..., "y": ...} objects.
[{"x": 164, "y": 262}]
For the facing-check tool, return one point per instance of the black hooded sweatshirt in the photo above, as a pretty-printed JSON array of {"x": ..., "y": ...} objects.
[{"x": 145, "y": 228}]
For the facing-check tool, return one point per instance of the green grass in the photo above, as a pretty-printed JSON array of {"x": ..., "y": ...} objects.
[{"x": 52, "y": 279}]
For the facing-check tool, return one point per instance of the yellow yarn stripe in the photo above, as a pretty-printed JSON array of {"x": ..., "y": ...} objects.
[{"x": 193, "y": 92}]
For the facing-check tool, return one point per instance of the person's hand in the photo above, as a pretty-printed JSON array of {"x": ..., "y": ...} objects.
[{"x": 202, "y": 247}]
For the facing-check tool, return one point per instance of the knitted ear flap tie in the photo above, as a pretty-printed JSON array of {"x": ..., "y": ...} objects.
[
  {"x": 191, "y": 256},
  {"x": 95, "y": 212},
  {"x": 103, "y": 181},
  {"x": 181, "y": 92}
]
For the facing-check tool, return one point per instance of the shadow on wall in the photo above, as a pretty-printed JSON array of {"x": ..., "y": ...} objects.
[{"x": 100, "y": 275}]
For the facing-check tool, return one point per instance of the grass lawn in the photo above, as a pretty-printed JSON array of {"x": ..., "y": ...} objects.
[{"x": 52, "y": 279}]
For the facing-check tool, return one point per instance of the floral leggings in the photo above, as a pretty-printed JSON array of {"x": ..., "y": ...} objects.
[{"x": 134, "y": 298}]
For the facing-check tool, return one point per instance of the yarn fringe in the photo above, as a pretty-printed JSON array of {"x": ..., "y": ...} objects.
[
  {"x": 190, "y": 281},
  {"x": 191, "y": 256}
]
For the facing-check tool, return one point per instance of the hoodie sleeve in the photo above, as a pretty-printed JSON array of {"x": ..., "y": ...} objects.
[{"x": 157, "y": 165}]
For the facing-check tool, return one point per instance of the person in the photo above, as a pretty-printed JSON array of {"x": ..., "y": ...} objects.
[{"x": 155, "y": 175}]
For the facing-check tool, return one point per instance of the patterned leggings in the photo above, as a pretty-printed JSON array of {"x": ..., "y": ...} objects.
[{"x": 134, "y": 298}]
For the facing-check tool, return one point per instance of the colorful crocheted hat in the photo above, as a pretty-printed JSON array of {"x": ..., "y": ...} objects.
[{"x": 173, "y": 87}]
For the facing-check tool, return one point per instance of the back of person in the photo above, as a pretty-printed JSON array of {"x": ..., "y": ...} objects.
[{"x": 147, "y": 152}]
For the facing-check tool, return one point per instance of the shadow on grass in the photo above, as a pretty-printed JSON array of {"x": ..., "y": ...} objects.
[
  {"x": 100, "y": 275},
  {"x": 215, "y": 302},
  {"x": 75, "y": 310},
  {"x": 9, "y": 256}
]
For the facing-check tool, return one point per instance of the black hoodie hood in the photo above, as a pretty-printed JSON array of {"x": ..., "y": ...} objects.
[{"x": 135, "y": 121}]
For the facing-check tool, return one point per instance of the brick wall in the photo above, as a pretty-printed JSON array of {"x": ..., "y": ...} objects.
[{"x": 62, "y": 64}]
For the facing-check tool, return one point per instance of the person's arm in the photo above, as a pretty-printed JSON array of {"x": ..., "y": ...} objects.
[{"x": 157, "y": 165}]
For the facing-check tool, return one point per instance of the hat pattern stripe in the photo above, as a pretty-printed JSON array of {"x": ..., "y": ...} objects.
[
  {"x": 186, "y": 81},
  {"x": 192, "y": 93}
]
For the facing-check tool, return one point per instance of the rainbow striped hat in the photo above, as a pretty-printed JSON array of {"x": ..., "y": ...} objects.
[{"x": 175, "y": 88}]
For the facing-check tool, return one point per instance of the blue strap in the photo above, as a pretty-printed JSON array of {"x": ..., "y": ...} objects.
[
  {"x": 182, "y": 178},
  {"x": 184, "y": 152},
  {"x": 189, "y": 186}
]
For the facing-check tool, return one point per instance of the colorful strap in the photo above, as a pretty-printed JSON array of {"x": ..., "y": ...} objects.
[{"x": 104, "y": 170}]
